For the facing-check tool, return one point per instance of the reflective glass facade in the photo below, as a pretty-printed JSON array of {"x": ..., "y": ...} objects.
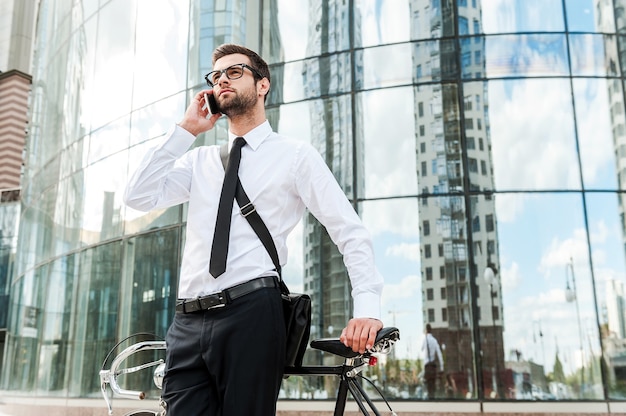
[{"x": 483, "y": 143}]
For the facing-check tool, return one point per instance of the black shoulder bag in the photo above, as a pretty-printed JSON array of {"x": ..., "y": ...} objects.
[{"x": 296, "y": 306}]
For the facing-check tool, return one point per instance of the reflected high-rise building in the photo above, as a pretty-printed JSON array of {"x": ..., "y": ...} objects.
[
  {"x": 325, "y": 276},
  {"x": 449, "y": 159}
]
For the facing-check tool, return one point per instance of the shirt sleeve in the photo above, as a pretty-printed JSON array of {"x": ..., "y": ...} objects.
[
  {"x": 323, "y": 196},
  {"x": 163, "y": 178}
]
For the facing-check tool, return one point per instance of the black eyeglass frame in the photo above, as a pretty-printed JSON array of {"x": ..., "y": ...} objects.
[{"x": 254, "y": 71}]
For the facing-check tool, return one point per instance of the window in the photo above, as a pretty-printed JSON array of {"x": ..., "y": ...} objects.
[
  {"x": 420, "y": 109},
  {"x": 423, "y": 147},
  {"x": 440, "y": 250},
  {"x": 430, "y": 294},
  {"x": 495, "y": 313},
  {"x": 429, "y": 273},
  {"x": 443, "y": 293},
  {"x": 481, "y": 147},
  {"x": 422, "y": 130},
  {"x": 483, "y": 167},
  {"x": 471, "y": 143},
  {"x": 427, "y": 253},
  {"x": 431, "y": 315},
  {"x": 489, "y": 225},
  {"x": 442, "y": 272},
  {"x": 424, "y": 168},
  {"x": 473, "y": 165},
  {"x": 476, "y": 224},
  {"x": 426, "y": 227},
  {"x": 444, "y": 314}
]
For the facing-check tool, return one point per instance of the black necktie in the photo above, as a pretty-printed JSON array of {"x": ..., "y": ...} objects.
[{"x": 219, "y": 251}]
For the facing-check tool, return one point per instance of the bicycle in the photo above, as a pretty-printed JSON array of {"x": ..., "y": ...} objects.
[{"x": 349, "y": 372}]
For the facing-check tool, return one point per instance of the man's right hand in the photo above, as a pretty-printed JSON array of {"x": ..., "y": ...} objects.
[{"x": 195, "y": 120}]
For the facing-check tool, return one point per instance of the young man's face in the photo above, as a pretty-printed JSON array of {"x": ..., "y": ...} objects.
[{"x": 235, "y": 96}]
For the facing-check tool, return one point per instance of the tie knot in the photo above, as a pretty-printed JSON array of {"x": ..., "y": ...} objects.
[{"x": 239, "y": 141}]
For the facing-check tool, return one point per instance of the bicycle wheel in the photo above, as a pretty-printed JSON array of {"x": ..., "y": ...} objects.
[{"x": 143, "y": 413}]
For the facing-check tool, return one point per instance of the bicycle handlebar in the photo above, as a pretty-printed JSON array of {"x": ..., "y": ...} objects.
[{"x": 110, "y": 376}]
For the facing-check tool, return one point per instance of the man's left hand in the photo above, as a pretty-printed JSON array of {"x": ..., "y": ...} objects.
[{"x": 360, "y": 334}]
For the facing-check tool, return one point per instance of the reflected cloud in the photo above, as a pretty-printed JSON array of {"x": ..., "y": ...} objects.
[
  {"x": 511, "y": 277},
  {"x": 557, "y": 256},
  {"x": 406, "y": 251},
  {"x": 521, "y": 125},
  {"x": 405, "y": 289}
]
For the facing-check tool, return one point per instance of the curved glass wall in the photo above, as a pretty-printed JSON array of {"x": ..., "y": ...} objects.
[{"x": 481, "y": 141}]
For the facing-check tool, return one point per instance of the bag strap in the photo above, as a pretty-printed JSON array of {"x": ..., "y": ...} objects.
[{"x": 250, "y": 213}]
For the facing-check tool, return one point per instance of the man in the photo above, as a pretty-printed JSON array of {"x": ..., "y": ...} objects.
[
  {"x": 432, "y": 353},
  {"x": 228, "y": 359}
]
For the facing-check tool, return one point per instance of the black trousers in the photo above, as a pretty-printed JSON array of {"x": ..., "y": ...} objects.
[{"x": 227, "y": 361}]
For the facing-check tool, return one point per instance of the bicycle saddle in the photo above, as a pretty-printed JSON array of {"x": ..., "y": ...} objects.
[{"x": 384, "y": 339}]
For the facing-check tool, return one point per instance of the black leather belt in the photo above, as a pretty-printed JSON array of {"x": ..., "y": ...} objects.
[{"x": 223, "y": 298}]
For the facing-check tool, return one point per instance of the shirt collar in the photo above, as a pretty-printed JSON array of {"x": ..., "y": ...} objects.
[{"x": 254, "y": 137}]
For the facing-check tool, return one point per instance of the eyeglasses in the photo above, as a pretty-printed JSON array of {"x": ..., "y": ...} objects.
[{"x": 232, "y": 72}]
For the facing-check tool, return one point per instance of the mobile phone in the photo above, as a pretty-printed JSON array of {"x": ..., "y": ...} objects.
[{"x": 209, "y": 99}]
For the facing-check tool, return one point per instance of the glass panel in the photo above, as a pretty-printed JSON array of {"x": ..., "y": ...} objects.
[
  {"x": 68, "y": 211},
  {"x": 301, "y": 31},
  {"x": 160, "y": 57},
  {"x": 427, "y": 61},
  {"x": 607, "y": 245},
  {"x": 589, "y": 56},
  {"x": 547, "y": 330},
  {"x": 86, "y": 8},
  {"x": 589, "y": 16},
  {"x": 311, "y": 78},
  {"x": 526, "y": 55},
  {"x": 384, "y": 66},
  {"x": 104, "y": 187},
  {"x": 109, "y": 139},
  {"x": 155, "y": 119},
  {"x": 598, "y": 151},
  {"x": 382, "y": 22},
  {"x": 9, "y": 220},
  {"x": 389, "y": 165},
  {"x": 113, "y": 82},
  {"x": 95, "y": 315},
  {"x": 395, "y": 228},
  {"x": 477, "y": 136},
  {"x": 522, "y": 16},
  {"x": 533, "y": 145},
  {"x": 56, "y": 323},
  {"x": 88, "y": 104}
]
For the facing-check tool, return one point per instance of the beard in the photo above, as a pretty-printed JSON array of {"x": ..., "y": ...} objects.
[{"x": 239, "y": 104}]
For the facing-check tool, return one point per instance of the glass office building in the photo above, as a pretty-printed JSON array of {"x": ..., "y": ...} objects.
[{"x": 483, "y": 142}]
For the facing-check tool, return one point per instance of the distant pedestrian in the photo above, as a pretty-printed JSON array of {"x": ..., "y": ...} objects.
[{"x": 432, "y": 355}]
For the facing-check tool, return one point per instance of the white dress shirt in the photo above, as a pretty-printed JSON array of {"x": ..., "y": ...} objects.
[
  {"x": 282, "y": 177},
  {"x": 431, "y": 350}
]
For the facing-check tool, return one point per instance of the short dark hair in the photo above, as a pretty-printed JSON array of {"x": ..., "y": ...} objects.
[
  {"x": 428, "y": 328},
  {"x": 257, "y": 62}
]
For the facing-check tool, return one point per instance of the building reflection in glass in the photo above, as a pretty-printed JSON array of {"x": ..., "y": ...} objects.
[{"x": 482, "y": 143}]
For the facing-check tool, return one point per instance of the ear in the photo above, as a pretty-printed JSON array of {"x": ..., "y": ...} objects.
[{"x": 263, "y": 86}]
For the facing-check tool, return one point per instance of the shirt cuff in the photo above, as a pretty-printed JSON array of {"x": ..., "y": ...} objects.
[
  {"x": 367, "y": 305},
  {"x": 177, "y": 140}
]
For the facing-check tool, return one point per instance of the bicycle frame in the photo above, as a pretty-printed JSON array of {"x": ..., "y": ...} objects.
[{"x": 349, "y": 372}]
